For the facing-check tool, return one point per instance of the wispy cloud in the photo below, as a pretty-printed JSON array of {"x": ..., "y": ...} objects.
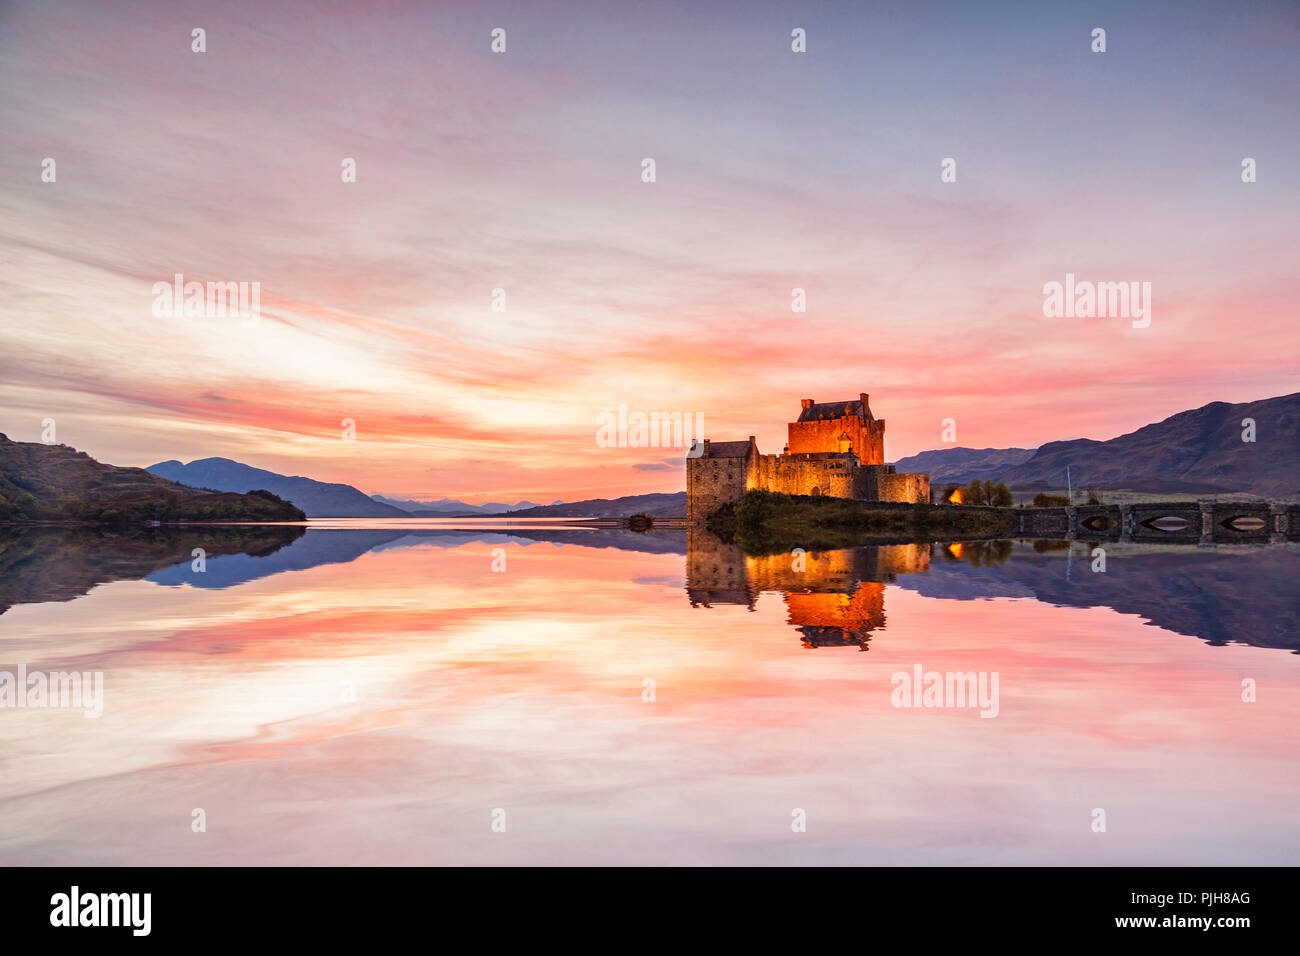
[{"x": 521, "y": 172}]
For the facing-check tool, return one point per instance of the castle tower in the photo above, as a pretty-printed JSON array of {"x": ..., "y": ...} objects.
[
  {"x": 822, "y": 428},
  {"x": 718, "y": 472}
]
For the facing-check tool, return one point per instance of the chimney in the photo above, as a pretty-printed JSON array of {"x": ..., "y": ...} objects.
[
  {"x": 866, "y": 409},
  {"x": 807, "y": 403}
]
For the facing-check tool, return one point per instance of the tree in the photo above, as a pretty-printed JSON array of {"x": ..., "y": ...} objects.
[{"x": 1001, "y": 496}]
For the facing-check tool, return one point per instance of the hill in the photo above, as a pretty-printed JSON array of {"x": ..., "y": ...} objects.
[
  {"x": 1201, "y": 449},
  {"x": 960, "y": 466},
  {"x": 318, "y": 499},
  {"x": 451, "y": 508},
  {"x": 673, "y": 504},
  {"x": 60, "y": 484}
]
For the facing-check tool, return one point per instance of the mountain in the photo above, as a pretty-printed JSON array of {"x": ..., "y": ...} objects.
[
  {"x": 318, "y": 499},
  {"x": 1197, "y": 450},
  {"x": 959, "y": 466},
  {"x": 451, "y": 508},
  {"x": 57, "y": 483},
  {"x": 673, "y": 504}
]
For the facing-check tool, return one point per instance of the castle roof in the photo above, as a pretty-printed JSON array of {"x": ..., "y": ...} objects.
[
  {"x": 829, "y": 411},
  {"x": 726, "y": 449}
]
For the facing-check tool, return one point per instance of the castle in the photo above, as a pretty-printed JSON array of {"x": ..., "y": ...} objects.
[{"x": 834, "y": 448}]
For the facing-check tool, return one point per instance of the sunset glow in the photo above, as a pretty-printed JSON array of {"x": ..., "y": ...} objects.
[{"x": 521, "y": 173}]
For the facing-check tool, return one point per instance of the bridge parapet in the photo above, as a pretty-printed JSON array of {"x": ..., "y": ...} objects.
[{"x": 1044, "y": 522}]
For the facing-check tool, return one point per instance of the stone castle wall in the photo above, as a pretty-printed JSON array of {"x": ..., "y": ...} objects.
[
  {"x": 793, "y": 475},
  {"x": 910, "y": 488},
  {"x": 713, "y": 482}
]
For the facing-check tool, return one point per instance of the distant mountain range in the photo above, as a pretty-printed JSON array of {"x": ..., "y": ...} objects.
[
  {"x": 56, "y": 483},
  {"x": 318, "y": 499},
  {"x": 959, "y": 466},
  {"x": 451, "y": 508},
  {"x": 673, "y": 504}
]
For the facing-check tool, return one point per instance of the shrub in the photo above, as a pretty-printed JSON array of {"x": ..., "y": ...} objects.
[{"x": 1042, "y": 500}]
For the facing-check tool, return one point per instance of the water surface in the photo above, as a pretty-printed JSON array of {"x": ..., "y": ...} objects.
[{"x": 373, "y": 694}]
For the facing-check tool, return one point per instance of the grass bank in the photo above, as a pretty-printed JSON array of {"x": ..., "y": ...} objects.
[{"x": 764, "y": 522}]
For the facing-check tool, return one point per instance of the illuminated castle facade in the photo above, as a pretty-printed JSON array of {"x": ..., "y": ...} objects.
[{"x": 834, "y": 448}]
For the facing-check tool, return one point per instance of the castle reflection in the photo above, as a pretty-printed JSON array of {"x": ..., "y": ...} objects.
[{"x": 833, "y": 598}]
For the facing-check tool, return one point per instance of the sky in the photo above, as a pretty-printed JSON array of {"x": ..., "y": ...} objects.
[{"x": 523, "y": 171}]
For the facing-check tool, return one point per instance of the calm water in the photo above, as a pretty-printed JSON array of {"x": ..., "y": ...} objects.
[{"x": 364, "y": 696}]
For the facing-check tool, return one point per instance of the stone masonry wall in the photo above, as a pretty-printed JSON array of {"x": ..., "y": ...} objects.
[
  {"x": 911, "y": 488},
  {"x": 713, "y": 482},
  {"x": 833, "y": 478}
]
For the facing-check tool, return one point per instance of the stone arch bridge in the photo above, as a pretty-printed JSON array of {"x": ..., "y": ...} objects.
[{"x": 1170, "y": 522}]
